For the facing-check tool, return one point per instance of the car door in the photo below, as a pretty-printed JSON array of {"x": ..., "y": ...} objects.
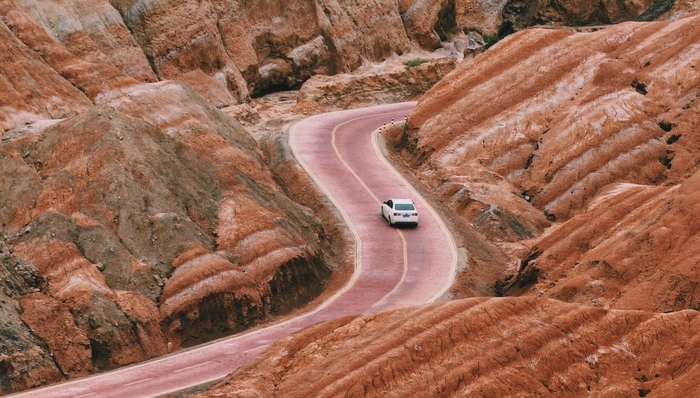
[{"x": 387, "y": 208}]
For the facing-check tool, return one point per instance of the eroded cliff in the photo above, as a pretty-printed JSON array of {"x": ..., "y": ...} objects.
[
  {"x": 540, "y": 143},
  {"x": 150, "y": 220},
  {"x": 138, "y": 218},
  {"x": 480, "y": 347}
]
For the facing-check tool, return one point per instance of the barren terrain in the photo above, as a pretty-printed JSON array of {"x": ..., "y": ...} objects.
[
  {"x": 148, "y": 200},
  {"x": 567, "y": 164},
  {"x": 141, "y": 212}
]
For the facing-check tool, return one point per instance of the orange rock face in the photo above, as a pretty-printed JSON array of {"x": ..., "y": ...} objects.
[
  {"x": 397, "y": 83},
  {"x": 151, "y": 219},
  {"x": 24, "y": 72},
  {"x": 573, "y": 154},
  {"x": 137, "y": 218},
  {"x": 45, "y": 315},
  {"x": 93, "y": 31},
  {"x": 485, "y": 347},
  {"x": 597, "y": 141},
  {"x": 228, "y": 50},
  {"x": 633, "y": 248}
]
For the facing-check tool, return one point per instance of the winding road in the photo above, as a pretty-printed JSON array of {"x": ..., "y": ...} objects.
[{"x": 393, "y": 267}]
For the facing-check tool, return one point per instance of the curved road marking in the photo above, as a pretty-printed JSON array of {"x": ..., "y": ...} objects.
[
  {"x": 441, "y": 224},
  {"x": 191, "y": 367},
  {"x": 379, "y": 202},
  {"x": 403, "y": 275},
  {"x": 351, "y": 226},
  {"x": 138, "y": 382},
  {"x": 337, "y": 153}
]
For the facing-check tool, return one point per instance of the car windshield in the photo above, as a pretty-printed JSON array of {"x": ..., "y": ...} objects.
[{"x": 404, "y": 206}]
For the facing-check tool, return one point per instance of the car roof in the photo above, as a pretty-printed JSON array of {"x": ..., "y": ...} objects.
[{"x": 401, "y": 200}]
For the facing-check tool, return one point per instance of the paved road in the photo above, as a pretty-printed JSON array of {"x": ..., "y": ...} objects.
[{"x": 394, "y": 267}]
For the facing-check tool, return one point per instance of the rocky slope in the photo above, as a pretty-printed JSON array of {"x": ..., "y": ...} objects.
[
  {"x": 137, "y": 217},
  {"x": 542, "y": 143},
  {"x": 148, "y": 238},
  {"x": 481, "y": 347},
  {"x": 571, "y": 163}
]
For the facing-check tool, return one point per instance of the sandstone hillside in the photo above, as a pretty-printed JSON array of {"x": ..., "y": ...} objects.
[
  {"x": 154, "y": 222},
  {"x": 147, "y": 202},
  {"x": 584, "y": 148},
  {"x": 568, "y": 162},
  {"x": 481, "y": 347}
]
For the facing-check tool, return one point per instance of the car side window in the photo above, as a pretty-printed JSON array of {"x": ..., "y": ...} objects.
[{"x": 390, "y": 204}]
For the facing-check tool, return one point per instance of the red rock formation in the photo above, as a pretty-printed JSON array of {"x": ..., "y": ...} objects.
[
  {"x": 93, "y": 31},
  {"x": 633, "y": 248},
  {"x": 396, "y": 83},
  {"x": 143, "y": 219},
  {"x": 24, "y": 363},
  {"x": 480, "y": 347},
  {"x": 99, "y": 333},
  {"x": 226, "y": 50},
  {"x": 514, "y": 135},
  {"x": 71, "y": 348},
  {"x": 420, "y": 19},
  {"x": 22, "y": 73},
  {"x": 106, "y": 201},
  {"x": 91, "y": 78},
  {"x": 369, "y": 30},
  {"x": 95, "y": 173},
  {"x": 221, "y": 38}
]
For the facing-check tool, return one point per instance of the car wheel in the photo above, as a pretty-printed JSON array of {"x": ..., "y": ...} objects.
[{"x": 388, "y": 218}]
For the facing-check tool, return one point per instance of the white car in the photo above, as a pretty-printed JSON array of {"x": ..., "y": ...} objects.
[{"x": 400, "y": 211}]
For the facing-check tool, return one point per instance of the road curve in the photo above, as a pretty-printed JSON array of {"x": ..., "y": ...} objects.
[{"x": 393, "y": 267}]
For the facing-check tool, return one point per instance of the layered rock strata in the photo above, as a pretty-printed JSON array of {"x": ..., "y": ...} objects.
[
  {"x": 596, "y": 145},
  {"x": 151, "y": 218},
  {"x": 485, "y": 347},
  {"x": 227, "y": 50},
  {"x": 139, "y": 219}
]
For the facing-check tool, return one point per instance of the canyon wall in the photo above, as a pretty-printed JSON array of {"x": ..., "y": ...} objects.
[
  {"x": 137, "y": 218},
  {"x": 569, "y": 162},
  {"x": 480, "y": 347},
  {"x": 227, "y": 50},
  {"x": 582, "y": 146}
]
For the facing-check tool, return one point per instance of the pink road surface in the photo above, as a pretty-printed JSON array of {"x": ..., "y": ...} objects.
[{"x": 394, "y": 267}]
